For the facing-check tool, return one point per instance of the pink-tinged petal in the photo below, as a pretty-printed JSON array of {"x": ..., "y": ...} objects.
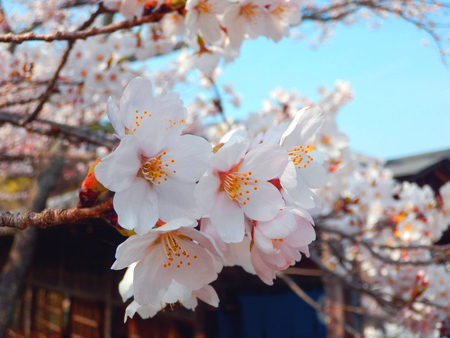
[
  {"x": 196, "y": 270},
  {"x": 206, "y": 227},
  {"x": 118, "y": 170},
  {"x": 263, "y": 203},
  {"x": 301, "y": 213},
  {"x": 303, "y": 128},
  {"x": 206, "y": 191},
  {"x": 161, "y": 131},
  {"x": 189, "y": 158},
  {"x": 208, "y": 295},
  {"x": 239, "y": 254},
  {"x": 137, "y": 206},
  {"x": 203, "y": 239},
  {"x": 265, "y": 273},
  {"x": 304, "y": 250},
  {"x": 228, "y": 219},
  {"x": 265, "y": 161},
  {"x": 228, "y": 156},
  {"x": 113, "y": 113},
  {"x": 262, "y": 243},
  {"x": 176, "y": 200},
  {"x": 278, "y": 227},
  {"x": 151, "y": 279},
  {"x": 287, "y": 253},
  {"x": 132, "y": 250},
  {"x": 302, "y": 236}
]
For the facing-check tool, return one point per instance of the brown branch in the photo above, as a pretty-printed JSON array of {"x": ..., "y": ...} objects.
[
  {"x": 77, "y": 35},
  {"x": 51, "y": 217},
  {"x": 73, "y": 134},
  {"x": 302, "y": 272},
  {"x": 316, "y": 306}
]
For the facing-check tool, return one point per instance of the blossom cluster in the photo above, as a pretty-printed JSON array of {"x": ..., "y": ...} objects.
[{"x": 195, "y": 209}]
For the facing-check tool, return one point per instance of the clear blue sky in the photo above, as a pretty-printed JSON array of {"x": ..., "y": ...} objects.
[{"x": 402, "y": 89}]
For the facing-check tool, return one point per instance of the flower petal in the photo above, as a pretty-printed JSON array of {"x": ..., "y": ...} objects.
[
  {"x": 264, "y": 202},
  {"x": 303, "y": 128},
  {"x": 229, "y": 155},
  {"x": 151, "y": 279},
  {"x": 176, "y": 200},
  {"x": 228, "y": 219},
  {"x": 190, "y": 158},
  {"x": 207, "y": 190},
  {"x": 265, "y": 161},
  {"x": 118, "y": 170},
  {"x": 132, "y": 250},
  {"x": 137, "y": 206}
]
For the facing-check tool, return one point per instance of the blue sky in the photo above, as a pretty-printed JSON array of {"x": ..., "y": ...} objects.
[{"x": 402, "y": 89}]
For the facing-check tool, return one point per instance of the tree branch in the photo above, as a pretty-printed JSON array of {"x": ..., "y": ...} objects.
[
  {"x": 77, "y": 35},
  {"x": 74, "y": 134},
  {"x": 51, "y": 217}
]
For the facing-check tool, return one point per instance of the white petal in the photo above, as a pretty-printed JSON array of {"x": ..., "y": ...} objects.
[
  {"x": 190, "y": 158},
  {"x": 161, "y": 130},
  {"x": 206, "y": 191},
  {"x": 265, "y": 201},
  {"x": 199, "y": 272},
  {"x": 314, "y": 175},
  {"x": 176, "y": 199},
  {"x": 151, "y": 279},
  {"x": 266, "y": 161},
  {"x": 137, "y": 206},
  {"x": 136, "y": 96},
  {"x": 118, "y": 170},
  {"x": 132, "y": 250},
  {"x": 229, "y": 156},
  {"x": 303, "y": 128},
  {"x": 228, "y": 219},
  {"x": 113, "y": 113},
  {"x": 126, "y": 284}
]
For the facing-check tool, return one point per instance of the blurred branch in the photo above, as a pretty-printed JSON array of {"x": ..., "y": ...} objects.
[
  {"x": 51, "y": 217},
  {"x": 74, "y": 134},
  {"x": 316, "y": 306}
]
